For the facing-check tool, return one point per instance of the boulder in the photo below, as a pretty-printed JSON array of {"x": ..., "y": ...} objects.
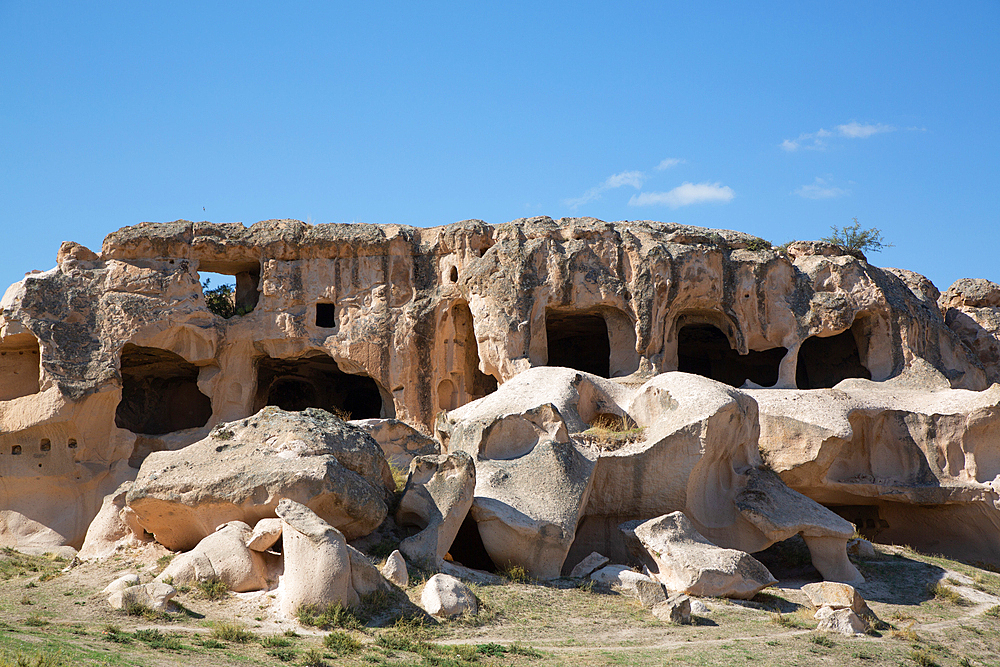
[
  {"x": 699, "y": 454},
  {"x": 155, "y": 596},
  {"x": 592, "y": 562},
  {"x": 675, "y": 609},
  {"x": 399, "y": 441},
  {"x": 682, "y": 559},
  {"x": 113, "y": 527},
  {"x": 365, "y": 577},
  {"x": 445, "y": 596},
  {"x": 317, "y": 561},
  {"x": 971, "y": 309},
  {"x": 121, "y": 583},
  {"x": 395, "y": 570},
  {"x": 836, "y": 596},
  {"x": 861, "y": 548},
  {"x": 843, "y": 621},
  {"x": 779, "y": 513},
  {"x": 626, "y": 580},
  {"x": 532, "y": 479},
  {"x": 437, "y": 499},
  {"x": 265, "y": 534},
  {"x": 243, "y": 468},
  {"x": 222, "y": 555}
]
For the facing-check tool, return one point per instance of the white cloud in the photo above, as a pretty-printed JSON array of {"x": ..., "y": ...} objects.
[
  {"x": 820, "y": 189},
  {"x": 634, "y": 179},
  {"x": 853, "y": 130},
  {"x": 685, "y": 195},
  {"x": 669, "y": 162}
]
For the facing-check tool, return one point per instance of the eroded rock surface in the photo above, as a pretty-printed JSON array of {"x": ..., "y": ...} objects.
[
  {"x": 242, "y": 469},
  {"x": 679, "y": 557},
  {"x": 113, "y": 357}
]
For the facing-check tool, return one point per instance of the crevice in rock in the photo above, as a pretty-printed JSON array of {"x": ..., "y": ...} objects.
[{"x": 160, "y": 392}]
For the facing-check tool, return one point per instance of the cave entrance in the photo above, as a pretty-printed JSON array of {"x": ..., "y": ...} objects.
[
  {"x": 580, "y": 341},
  {"x": 20, "y": 366},
  {"x": 317, "y": 382},
  {"x": 703, "y": 349},
  {"x": 823, "y": 362},
  {"x": 160, "y": 392},
  {"x": 468, "y": 548},
  {"x": 464, "y": 381}
]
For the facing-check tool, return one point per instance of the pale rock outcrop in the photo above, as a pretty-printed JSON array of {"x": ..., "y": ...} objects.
[
  {"x": 679, "y": 557},
  {"x": 121, "y": 583},
  {"x": 436, "y": 500},
  {"x": 909, "y": 462},
  {"x": 114, "y": 527},
  {"x": 110, "y": 356},
  {"x": 317, "y": 561},
  {"x": 395, "y": 570},
  {"x": 265, "y": 535},
  {"x": 399, "y": 441},
  {"x": 971, "y": 308},
  {"x": 780, "y": 513},
  {"x": 445, "y": 596},
  {"x": 222, "y": 555},
  {"x": 699, "y": 455},
  {"x": 675, "y": 609},
  {"x": 155, "y": 596},
  {"x": 842, "y": 621},
  {"x": 592, "y": 562},
  {"x": 242, "y": 470},
  {"x": 532, "y": 480}
]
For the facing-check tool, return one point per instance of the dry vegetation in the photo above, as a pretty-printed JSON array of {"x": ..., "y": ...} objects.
[{"x": 933, "y": 611}]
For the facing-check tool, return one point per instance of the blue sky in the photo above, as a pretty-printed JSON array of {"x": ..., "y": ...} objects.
[{"x": 779, "y": 122}]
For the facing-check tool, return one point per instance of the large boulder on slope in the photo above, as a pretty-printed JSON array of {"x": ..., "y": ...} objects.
[
  {"x": 437, "y": 498},
  {"x": 223, "y": 555},
  {"x": 680, "y": 557},
  {"x": 243, "y": 468}
]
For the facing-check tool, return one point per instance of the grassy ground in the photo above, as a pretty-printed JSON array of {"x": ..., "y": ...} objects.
[{"x": 933, "y": 611}]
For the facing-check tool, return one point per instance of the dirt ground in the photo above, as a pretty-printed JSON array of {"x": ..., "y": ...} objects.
[{"x": 932, "y": 611}]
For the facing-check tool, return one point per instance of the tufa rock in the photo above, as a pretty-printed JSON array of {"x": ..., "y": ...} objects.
[
  {"x": 675, "y": 609},
  {"x": 317, "y": 561},
  {"x": 684, "y": 561},
  {"x": 436, "y": 500},
  {"x": 445, "y": 596},
  {"x": 222, "y": 555},
  {"x": 242, "y": 469},
  {"x": 155, "y": 596},
  {"x": 395, "y": 570}
]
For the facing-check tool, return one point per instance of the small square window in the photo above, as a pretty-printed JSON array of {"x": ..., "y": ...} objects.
[{"x": 326, "y": 315}]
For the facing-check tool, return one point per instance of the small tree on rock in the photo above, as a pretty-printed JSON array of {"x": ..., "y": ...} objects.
[{"x": 855, "y": 240}]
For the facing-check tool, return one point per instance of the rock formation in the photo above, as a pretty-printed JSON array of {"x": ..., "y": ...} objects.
[{"x": 869, "y": 389}]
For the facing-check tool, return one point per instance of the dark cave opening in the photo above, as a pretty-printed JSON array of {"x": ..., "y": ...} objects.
[
  {"x": 160, "y": 392},
  {"x": 468, "y": 548},
  {"x": 823, "y": 362},
  {"x": 702, "y": 349},
  {"x": 580, "y": 341},
  {"x": 317, "y": 382}
]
